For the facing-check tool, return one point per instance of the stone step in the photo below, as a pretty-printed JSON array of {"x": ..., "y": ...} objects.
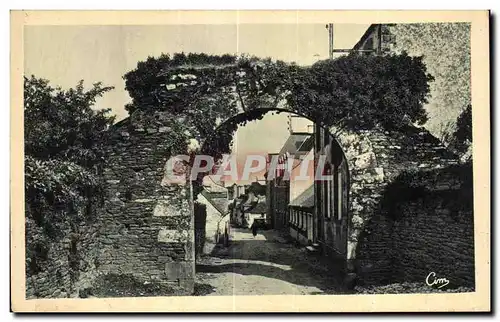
[{"x": 312, "y": 249}]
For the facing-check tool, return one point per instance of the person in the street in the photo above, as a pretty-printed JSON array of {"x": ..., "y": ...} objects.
[{"x": 254, "y": 229}]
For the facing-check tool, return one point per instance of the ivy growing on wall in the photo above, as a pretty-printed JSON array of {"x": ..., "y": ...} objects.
[
  {"x": 457, "y": 135},
  {"x": 361, "y": 92},
  {"x": 352, "y": 92}
]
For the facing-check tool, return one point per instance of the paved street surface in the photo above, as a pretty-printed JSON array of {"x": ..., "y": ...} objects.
[{"x": 264, "y": 265}]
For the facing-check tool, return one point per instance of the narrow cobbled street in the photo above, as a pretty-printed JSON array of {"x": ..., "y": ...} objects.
[{"x": 263, "y": 265}]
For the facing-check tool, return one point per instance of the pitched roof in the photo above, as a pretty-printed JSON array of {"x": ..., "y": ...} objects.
[
  {"x": 294, "y": 142},
  {"x": 215, "y": 188},
  {"x": 305, "y": 199},
  {"x": 220, "y": 203},
  {"x": 367, "y": 34},
  {"x": 257, "y": 188},
  {"x": 251, "y": 203},
  {"x": 259, "y": 208}
]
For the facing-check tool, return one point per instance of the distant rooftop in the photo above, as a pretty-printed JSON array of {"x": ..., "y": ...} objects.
[
  {"x": 212, "y": 188},
  {"x": 305, "y": 199},
  {"x": 217, "y": 200}
]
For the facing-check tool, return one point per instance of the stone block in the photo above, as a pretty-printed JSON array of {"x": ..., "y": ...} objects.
[
  {"x": 179, "y": 271},
  {"x": 365, "y": 160},
  {"x": 143, "y": 200},
  {"x": 172, "y": 235},
  {"x": 187, "y": 287},
  {"x": 175, "y": 172},
  {"x": 165, "y": 209}
]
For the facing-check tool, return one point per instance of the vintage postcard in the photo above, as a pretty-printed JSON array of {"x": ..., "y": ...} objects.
[{"x": 240, "y": 161}]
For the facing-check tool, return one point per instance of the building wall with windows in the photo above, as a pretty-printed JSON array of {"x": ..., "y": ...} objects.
[{"x": 332, "y": 198}]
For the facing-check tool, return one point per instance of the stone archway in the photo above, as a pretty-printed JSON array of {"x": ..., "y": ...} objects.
[{"x": 147, "y": 224}]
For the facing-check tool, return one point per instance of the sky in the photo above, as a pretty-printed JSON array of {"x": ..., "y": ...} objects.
[{"x": 66, "y": 54}]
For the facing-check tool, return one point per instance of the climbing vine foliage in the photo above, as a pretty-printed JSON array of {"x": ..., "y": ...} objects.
[
  {"x": 351, "y": 92},
  {"x": 361, "y": 92}
]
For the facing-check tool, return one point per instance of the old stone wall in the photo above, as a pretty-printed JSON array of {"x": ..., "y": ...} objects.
[
  {"x": 397, "y": 232},
  {"x": 147, "y": 226},
  {"x": 375, "y": 158},
  {"x": 88, "y": 246},
  {"x": 69, "y": 262},
  {"x": 48, "y": 273},
  {"x": 424, "y": 224}
]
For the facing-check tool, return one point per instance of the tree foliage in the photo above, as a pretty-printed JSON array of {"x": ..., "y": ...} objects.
[
  {"x": 61, "y": 124},
  {"x": 63, "y": 148},
  {"x": 353, "y": 91},
  {"x": 59, "y": 195},
  {"x": 457, "y": 136},
  {"x": 141, "y": 82},
  {"x": 463, "y": 133},
  {"x": 361, "y": 92}
]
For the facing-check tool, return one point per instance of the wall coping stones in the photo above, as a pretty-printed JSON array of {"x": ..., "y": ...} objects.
[{"x": 143, "y": 200}]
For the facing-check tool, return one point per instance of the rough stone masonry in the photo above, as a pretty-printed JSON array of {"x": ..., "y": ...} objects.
[{"x": 147, "y": 228}]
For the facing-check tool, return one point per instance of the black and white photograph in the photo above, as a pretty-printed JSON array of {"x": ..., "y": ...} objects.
[{"x": 220, "y": 160}]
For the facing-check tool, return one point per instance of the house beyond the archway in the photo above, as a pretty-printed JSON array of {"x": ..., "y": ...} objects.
[{"x": 313, "y": 211}]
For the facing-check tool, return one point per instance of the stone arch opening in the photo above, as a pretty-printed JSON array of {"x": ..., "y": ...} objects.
[{"x": 324, "y": 222}]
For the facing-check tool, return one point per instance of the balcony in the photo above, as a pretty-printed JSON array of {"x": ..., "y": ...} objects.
[{"x": 301, "y": 223}]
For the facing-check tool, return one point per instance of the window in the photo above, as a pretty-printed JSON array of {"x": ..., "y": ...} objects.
[
  {"x": 331, "y": 193},
  {"x": 329, "y": 184},
  {"x": 339, "y": 195},
  {"x": 325, "y": 194}
]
